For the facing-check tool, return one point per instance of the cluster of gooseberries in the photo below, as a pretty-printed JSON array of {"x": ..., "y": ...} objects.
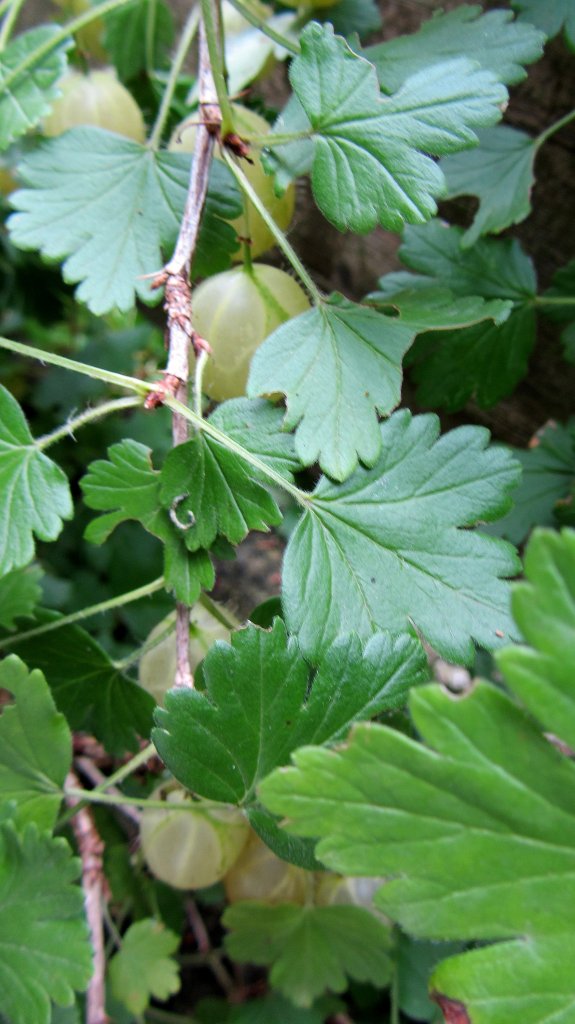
[{"x": 210, "y": 842}]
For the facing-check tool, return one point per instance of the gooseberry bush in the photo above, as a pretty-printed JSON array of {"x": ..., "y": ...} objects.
[{"x": 280, "y": 819}]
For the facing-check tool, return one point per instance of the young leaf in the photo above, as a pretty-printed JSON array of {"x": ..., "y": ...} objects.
[
  {"x": 392, "y": 546},
  {"x": 492, "y": 39},
  {"x": 258, "y": 426},
  {"x": 127, "y": 34},
  {"x": 144, "y": 969},
  {"x": 548, "y": 478},
  {"x": 499, "y": 173},
  {"x": 35, "y": 746},
  {"x": 44, "y": 948},
  {"x": 551, "y": 16},
  {"x": 216, "y": 494},
  {"x": 371, "y": 164},
  {"x": 544, "y": 608},
  {"x": 338, "y": 365},
  {"x": 35, "y": 491},
  {"x": 109, "y": 207},
  {"x": 129, "y": 485},
  {"x": 467, "y": 830},
  {"x": 88, "y": 689},
  {"x": 26, "y": 96},
  {"x": 19, "y": 595},
  {"x": 310, "y": 949},
  {"x": 257, "y": 706}
]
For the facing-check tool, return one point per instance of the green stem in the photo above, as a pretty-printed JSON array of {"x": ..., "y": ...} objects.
[
  {"x": 201, "y": 361},
  {"x": 54, "y": 42},
  {"x": 278, "y": 234},
  {"x": 302, "y": 497},
  {"x": 88, "y": 796},
  {"x": 288, "y": 44},
  {"x": 151, "y": 17},
  {"x": 557, "y": 126},
  {"x": 9, "y": 21},
  {"x": 148, "y": 645},
  {"x": 95, "y": 796},
  {"x": 279, "y": 139},
  {"x": 95, "y": 372},
  {"x": 186, "y": 39},
  {"x": 88, "y": 416},
  {"x": 554, "y": 300},
  {"x": 217, "y": 66},
  {"x": 142, "y": 387},
  {"x": 86, "y": 613}
]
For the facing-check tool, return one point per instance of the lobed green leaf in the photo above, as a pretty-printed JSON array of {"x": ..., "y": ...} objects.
[
  {"x": 492, "y": 39},
  {"x": 143, "y": 968},
  {"x": 110, "y": 208},
  {"x": 310, "y": 949},
  {"x": 27, "y": 95},
  {"x": 44, "y": 949},
  {"x": 392, "y": 548},
  {"x": 36, "y": 495},
  {"x": 35, "y": 746},
  {"x": 372, "y": 154},
  {"x": 259, "y": 705},
  {"x": 338, "y": 365}
]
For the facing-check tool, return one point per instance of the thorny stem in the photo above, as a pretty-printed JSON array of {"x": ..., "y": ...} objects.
[
  {"x": 85, "y": 613},
  {"x": 94, "y": 796},
  {"x": 210, "y": 18},
  {"x": 291, "y": 45},
  {"x": 279, "y": 236},
  {"x": 10, "y": 21},
  {"x": 175, "y": 276},
  {"x": 561, "y": 123},
  {"x": 188, "y": 34},
  {"x": 88, "y": 416},
  {"x": 59, "y": 37},
  {"x": 91, "y": 849}
]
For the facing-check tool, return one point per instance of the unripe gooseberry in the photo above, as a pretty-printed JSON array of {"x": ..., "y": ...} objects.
[
  {"x": 249, "y": 225},
  {"x": 235, "y": 311},
  {"x": 157, "y": 668},
  {"x": 97, "y": 99},
  {"x": 259, "y": 875},
  {"x": 89, "y": 38},
  {"x": 191, "y": 849}
]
